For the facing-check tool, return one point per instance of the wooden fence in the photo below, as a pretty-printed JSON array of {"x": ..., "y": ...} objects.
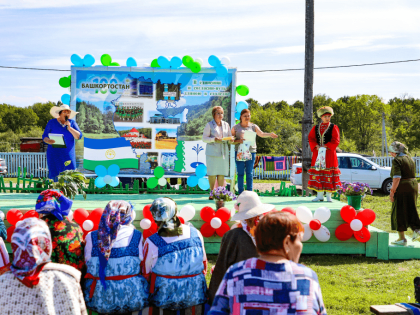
[{"x": 35, "y": 163}]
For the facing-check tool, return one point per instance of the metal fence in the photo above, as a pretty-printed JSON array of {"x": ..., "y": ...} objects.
[
  {"x": 387, "y": 161},
  {"x": 35, "y": 163}
]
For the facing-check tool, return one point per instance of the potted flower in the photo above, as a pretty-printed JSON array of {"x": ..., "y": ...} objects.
[
  {"x": 354, "y": 192},
  {"x": 221, "y": 195}
]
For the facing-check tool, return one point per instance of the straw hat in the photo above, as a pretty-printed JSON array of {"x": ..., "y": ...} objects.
[
  {"x": 250, "y": 206},
  {"x": 56, "y": 109}
]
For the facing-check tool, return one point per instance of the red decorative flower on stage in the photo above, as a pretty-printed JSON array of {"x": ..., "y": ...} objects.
[
  {"x": 88, "y": 222},
  {"x": 14, "y": 216},
  {"x": 148, "y": 224},
  {"x": 215, "y": 221},
  {"x": 355, "y": 225}
]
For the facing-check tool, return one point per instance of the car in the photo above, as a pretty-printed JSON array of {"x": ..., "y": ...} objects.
[
  {"x": 3, "y": 167},
  {"x": 354, "y": 168}
]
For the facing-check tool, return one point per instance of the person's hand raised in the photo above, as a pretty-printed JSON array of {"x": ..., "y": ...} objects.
[{"x": 273, "y": 135}]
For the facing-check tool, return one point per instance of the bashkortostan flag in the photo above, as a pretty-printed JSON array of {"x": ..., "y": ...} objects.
[{"x": 107, "y": 152}]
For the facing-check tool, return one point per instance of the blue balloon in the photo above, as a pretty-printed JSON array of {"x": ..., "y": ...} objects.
[
  {"x": 164, "y": 62},
  {"x": 99, "y": 182},
  {"x": 241, "y": 106},
  {"x": 203, "y": 183},
  {"x": 131, "y": 62},
  {"x": 221, "y": 71},
  {"x": 76, "y": 60},
  {"x": 88, "y": 60},
  {"x": 101, "y": 171},
  {"x": 115, "y": 182},
  {"x": 113, "y": 170},
  {"x": 201, "y": 170},
  {"x": 238, "y": 116},
  {"x": 65, "y": 99},
  {"x": 176, "y": 62},
  {"x": 214, "y": 61},
  {"x": 192, "y": 181}
]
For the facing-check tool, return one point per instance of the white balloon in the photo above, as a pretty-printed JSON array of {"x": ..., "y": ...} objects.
[
  {"x": 145, "y": 224},
  {"x": 225, "y": 61},
  {"x": 162, "y": 181},
  {"x": 323, "y": 234},
  {"x": 146, "y": 65},
  {"x": 216, "y": 223},
  {"x": 107, "y": 179},
  {"x": 87, "y": 225},
  {"x": 322, "y": 214},
  {"x": 187, "y": 212},
  {"x": 356, "y": 225},
  {"x": 199, "y": 60},
  {"x": 69, "y": 216},
  {"x": 307, "y": 234},
  {"x": 133, "y": 215},
  {"x": 2, "y": 215},
  {"x": 304, "y": 214}
]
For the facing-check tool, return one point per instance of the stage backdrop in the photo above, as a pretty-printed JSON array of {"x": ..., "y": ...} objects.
[{"x": 140, "y": 118}]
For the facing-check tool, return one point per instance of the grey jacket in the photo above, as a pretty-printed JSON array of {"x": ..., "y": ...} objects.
[{"x": 210, "y": 133}]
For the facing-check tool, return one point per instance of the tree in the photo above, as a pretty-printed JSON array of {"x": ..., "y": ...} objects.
[
  {"x": 308, "y": 92},
  {"x": 17, "y": 119},
  {"x": 42, "y": 110}
]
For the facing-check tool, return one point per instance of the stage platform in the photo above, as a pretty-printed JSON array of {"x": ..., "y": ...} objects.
[{"x": 379, "y": 245}]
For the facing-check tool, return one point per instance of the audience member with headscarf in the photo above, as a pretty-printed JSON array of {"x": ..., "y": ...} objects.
[
  {"x": 32, "y": 283},
  {"x": 113, "y": 255},
  {"x": 4, "y": 256},
  {"x": 239, "y": 243},
  {"x": 275, "y": 282},
  {"x": 67, "y": 237},
  {"x": 175, "y": 261},
  {"x": 403, "y": 195}
]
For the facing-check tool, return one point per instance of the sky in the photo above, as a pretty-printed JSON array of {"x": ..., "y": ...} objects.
[{"x": 255, "y": 35}]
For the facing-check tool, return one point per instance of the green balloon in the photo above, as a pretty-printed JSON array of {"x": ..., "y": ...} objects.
[
  {"x": 154, "y": 64},
  {"x": 159, "y": 172},
  {"x": 186, "y": 60},
  {"x": 152, "y": 182},
  {"x": 242, "y": 90},
  {"x": 195, "y": 67},
  {"x": 65, "y": 82},
  {"x": 106, "y": 60},
  {"x": 237, "y": 122},
  {"x": 115, "y": 64}
]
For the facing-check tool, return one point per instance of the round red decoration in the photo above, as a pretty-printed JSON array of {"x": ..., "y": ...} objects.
[
  {"x": 223, "y": 229},
  {"x": 13, "y": 216},
  {"x": 223, "y": 214},
  {"x": 315, "y": 225},
  {"x": 290, "y": 210},
  {"x": 10, "y": 231},
  {"x": 207, "y": 213},
  {"x": 344, "y": 232},
  {"x": 182, "y": 220},
  {"x": 147, "y": 214},
  {"x": 348, "y": 213},
  {"x": 363, "y": 235},
  {"x": 207, "y": 230},
  {"x": 30, "y": 214},
  {"x": 367, "y": 216},
  {"x": 80, "y": 215}
]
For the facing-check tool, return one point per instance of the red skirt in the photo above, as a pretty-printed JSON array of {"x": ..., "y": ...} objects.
[{"x": 324, "y": 180}]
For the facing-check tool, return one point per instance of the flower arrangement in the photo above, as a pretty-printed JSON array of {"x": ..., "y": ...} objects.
[
  {"x": 354, "y": 189},
  {"x": 221, "y": 193}
]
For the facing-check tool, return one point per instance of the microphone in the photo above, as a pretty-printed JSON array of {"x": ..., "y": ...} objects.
[{"x": 66, "y": 118}]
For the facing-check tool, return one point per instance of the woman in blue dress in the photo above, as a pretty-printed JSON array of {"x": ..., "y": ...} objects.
[
  {"x": 113, "y": 255},
  {"x": 60, "y": 159},
  {"x": 175, "y": 261}
]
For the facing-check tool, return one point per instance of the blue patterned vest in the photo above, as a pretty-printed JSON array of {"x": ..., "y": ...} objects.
[
  {"x": 126, "y": 295},
  {"x": 184, "y": 260}
]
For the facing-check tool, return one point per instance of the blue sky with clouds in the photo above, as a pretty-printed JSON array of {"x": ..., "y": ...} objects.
[{"x": 255, "y": 35}]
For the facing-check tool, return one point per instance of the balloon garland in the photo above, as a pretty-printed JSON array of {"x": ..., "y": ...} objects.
[
  {"x": 88, "y": 222},
  {"x": 13, "y": 216},
  {"x": 313, "y": 223},
  {"x": 355, "y": 224},
  {"x": 215, "y": 221}
]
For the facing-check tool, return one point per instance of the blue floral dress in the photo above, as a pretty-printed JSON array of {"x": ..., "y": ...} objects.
[
  {"x": 56, "y": 157},
  {"x": 177, "y": 279},
  {"x": 121, "y": 296}
]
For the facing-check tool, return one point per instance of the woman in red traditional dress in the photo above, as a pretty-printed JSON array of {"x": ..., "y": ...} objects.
[{"x": 324, "y": 174}]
